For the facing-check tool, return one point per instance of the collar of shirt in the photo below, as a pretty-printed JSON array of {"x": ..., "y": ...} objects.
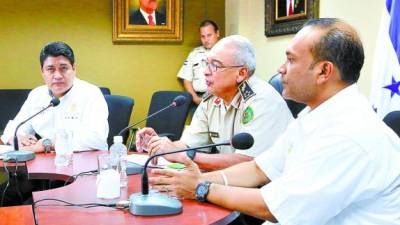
[
  {"x": 71, "y": 90},
  {"x": 310, "y": 119},
  {"x": 146, "y": 16}
]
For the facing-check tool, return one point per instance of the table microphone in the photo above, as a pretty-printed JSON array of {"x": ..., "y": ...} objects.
[
  {"x": 132, "y": 168},
  {"x": 155, "y": 204},
  {"x": 23, "y": 155}
]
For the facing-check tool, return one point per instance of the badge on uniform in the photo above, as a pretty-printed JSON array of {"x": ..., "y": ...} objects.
[
  {"x": 248, "y": 115},
  {"x": 217, "y": 102},
  {"x": 246, "y": 91},
  {"x": 214, "y": 134}
]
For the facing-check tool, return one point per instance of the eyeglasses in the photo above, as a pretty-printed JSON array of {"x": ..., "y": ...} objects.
[{"x": 213, "y": 67}]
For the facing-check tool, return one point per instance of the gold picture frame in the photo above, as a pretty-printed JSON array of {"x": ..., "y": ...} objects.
[
  {"x": 129, "y": 25},
  {"x": 277, "y": 20}
]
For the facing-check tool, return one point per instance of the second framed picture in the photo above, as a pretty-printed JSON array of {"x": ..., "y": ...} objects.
[
  {"x": 287, "y": 16},
  {"x": 147, "y": 21}
]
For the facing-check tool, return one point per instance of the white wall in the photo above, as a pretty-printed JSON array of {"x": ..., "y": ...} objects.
[{"x": 246, "y": 17}]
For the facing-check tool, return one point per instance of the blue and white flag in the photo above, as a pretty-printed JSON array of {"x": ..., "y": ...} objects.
[{"x": 385, "y": 87}]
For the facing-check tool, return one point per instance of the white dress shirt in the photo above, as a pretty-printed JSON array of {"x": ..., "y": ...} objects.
[
  {"x": 83, "y": 110},
  {"x": 336, "y": 165}
]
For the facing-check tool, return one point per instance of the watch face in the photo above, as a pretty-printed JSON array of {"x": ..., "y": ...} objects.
[
  {"x": 202, "y": 191},
  {"x": 46, "y": 142}
]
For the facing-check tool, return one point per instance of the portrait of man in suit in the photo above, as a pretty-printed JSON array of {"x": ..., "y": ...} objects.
[
  {"x": 148, "y": 13},
  {"x": 290, "y": 7}
]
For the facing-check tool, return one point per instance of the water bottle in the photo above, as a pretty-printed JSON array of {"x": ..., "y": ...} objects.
[{"x": 119, "y": 152}]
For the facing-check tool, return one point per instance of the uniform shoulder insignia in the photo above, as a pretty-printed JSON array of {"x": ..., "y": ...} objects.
[
  {"x": 206, "y": 96},
  {"x": 246, "y": 91}
]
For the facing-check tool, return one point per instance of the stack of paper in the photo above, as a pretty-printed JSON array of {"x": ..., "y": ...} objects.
[{"x": 141, "y": 159}]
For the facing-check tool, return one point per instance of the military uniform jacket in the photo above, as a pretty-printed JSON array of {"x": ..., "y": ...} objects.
[
  {"x": 256, "y": 109},
  {"x": 193, "y": 69}
]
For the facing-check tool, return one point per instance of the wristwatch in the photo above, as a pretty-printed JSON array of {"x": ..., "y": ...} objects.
[
  {"x": 47, "y": 145},
  {"x": 202, "y": 191},
  {"x": 191, "y": 154}
]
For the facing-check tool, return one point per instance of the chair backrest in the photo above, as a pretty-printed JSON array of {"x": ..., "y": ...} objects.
[
  {"x": 11, "y": 101},
  {"x": 295, "y": 107},
  {"x": 172, "y": 121},
  {"x": 105, "y": 90},
  {"x": 392, "y": 119},
  {"x": 119, "y": 114}
]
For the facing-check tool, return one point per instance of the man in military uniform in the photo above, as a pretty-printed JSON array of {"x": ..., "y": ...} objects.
[
  {"x": 192, "y": 71},
  {"x": 236, "y": 102}
]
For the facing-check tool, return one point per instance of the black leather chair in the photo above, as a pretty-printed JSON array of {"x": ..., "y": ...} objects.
[
  {"x": 119, "y": 114},
  {"x": 295, "y": 107},
  {"x": 169, "y": 123},
  {"x": 105, "y": 90},
  {"x": 392, "y": 119},
  {"x": 11, "y": 101}
]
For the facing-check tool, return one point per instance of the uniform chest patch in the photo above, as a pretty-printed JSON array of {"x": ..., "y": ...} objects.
[{"x": 248, "y": 115}]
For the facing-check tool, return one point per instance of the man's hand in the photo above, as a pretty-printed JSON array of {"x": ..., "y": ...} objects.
[
  {"x": 24, "y": 140},
  {"x": 37, "y": 147},
  {"x": 159, "y": 145},
  {"x": 179, "y": 183},
  {"x": 143, "y": 137}
]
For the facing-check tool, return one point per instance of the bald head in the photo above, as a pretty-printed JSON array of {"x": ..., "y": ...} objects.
[{"x": 339, "y": 44}]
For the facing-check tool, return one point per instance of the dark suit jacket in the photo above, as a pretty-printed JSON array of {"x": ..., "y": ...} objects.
[
  {"x": 297, "y": 9},
  {"x": 137, "y": 18}
]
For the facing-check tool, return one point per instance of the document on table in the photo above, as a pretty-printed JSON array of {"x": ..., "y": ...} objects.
[{"x": 141, "y": 159}]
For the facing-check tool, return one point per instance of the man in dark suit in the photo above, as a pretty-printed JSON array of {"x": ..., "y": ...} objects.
[
  {"x": 147, "y": 14},
  {"x": 298, "y": 7}
]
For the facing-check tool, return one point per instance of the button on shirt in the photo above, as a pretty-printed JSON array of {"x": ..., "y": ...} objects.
[
  {"x": 264, "y": 115},
  {"x": 82, "y": 110},
  {"x": 193, "y": 69},
  {"x": 337, "y": 165}
]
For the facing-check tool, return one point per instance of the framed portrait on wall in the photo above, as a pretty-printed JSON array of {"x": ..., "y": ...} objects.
[
  {"x": 147, "y": 21},
  {"x": 287, "y": 16}
]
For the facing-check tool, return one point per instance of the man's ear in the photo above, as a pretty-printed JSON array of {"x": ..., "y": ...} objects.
[
  {"x": 326, "y": 71},
  {"x": 242, "y": 75}
]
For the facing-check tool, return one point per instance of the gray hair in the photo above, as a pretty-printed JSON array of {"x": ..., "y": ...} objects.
[{"x": 244, "y": 53}]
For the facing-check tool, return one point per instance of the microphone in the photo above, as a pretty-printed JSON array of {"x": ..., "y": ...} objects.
[
  {"x": 155, "y": 204},
  {"x": 132, "y": 168},
  {"x": 23, "y": 156},
  {"x": 178, "y": 101}
]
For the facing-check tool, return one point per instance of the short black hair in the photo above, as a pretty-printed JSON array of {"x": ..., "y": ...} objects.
[
  {"x": 207, "y": 23},
  {"x": 340, "y": 45},
  {"x": 54, "y": 49}
]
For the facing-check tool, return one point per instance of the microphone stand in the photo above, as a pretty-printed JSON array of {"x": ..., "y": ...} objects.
[
  {"x": 155, "y": 204},
  {"x": 16, "y": 146},
  {"x": 25, "y": 155}
]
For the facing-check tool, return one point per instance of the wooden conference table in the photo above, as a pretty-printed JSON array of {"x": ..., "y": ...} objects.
[{"x": 83, "y": 190}]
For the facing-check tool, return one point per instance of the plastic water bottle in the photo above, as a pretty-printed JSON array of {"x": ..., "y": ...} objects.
[{"x": 119, "y": 152}]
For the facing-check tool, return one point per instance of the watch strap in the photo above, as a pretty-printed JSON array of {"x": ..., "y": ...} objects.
[
  {"x": 47, "y": 145},
  {"x": 202, "y": 190},
  {"x": 191, "y": 154}
]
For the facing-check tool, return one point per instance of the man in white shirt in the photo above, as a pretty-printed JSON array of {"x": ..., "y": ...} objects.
[
  {"x": 336, "y": 164},
  {"x": 236, "y": 101},
  {"x": 82, "y": 107},
  {"x": 192, "y": 70}
]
